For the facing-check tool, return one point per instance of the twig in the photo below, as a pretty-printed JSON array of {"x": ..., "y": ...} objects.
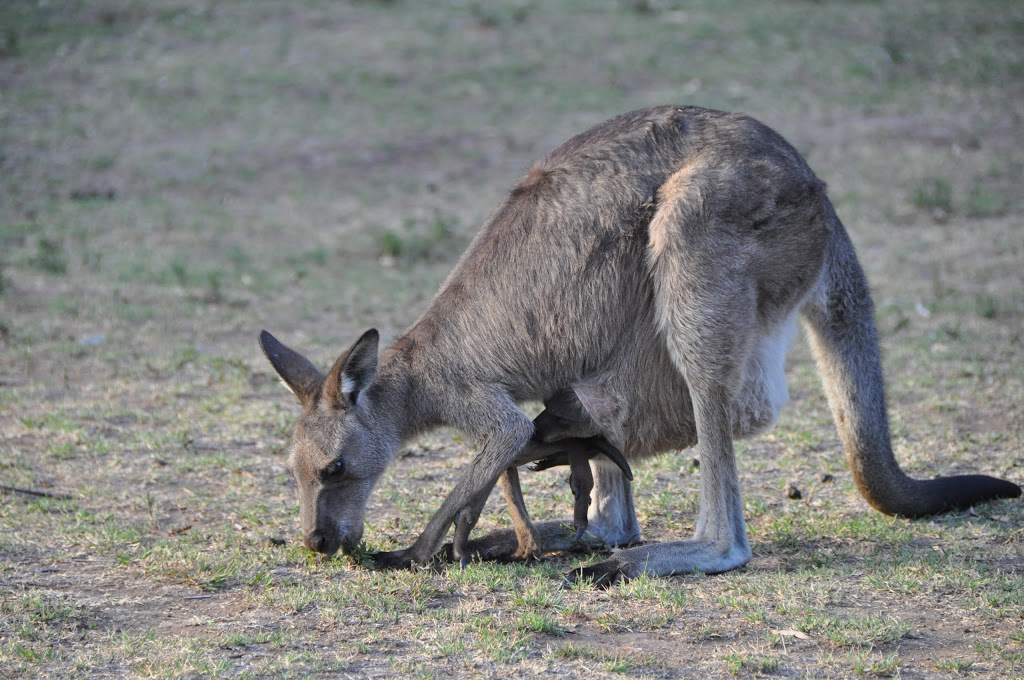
[{"x": 33, "y": 492}]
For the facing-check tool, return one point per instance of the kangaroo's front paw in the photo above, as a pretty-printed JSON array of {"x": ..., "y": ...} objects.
[
  {"x": 603, "y": 574},
  {"x": 391, "y": 559}
]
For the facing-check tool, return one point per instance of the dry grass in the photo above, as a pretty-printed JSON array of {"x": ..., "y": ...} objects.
[{"x": 176, "y": 175}]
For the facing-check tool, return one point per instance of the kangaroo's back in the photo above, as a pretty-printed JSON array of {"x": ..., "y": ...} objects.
[
  {"x": 560, "y": 281},
  {"x": 558, "y": 275}
]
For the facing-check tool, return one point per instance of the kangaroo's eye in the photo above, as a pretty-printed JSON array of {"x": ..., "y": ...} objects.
[{"x": 333, "y": 471}]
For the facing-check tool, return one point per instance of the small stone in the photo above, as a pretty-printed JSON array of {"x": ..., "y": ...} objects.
[
  {"x": 827, "y": 478},
  {"x": 793, "y": 492}
]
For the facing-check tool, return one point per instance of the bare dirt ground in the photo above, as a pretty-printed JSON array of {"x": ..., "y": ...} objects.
[{"x": 176, "y": 175}]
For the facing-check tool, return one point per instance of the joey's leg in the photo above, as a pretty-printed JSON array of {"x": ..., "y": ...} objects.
[
  {"x": 618, "y": 518},
  {"x": 498, "y": 453},
  {"x": 581, "y": 481},
  {"x": 611, "y": 520},
  {"x": 576, "y": 453},
  {"x": 526, "y": 534},
  {"x": 528, "y": 543}
]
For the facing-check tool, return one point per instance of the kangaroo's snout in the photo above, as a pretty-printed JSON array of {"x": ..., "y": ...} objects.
[
  {"x": 316, "y": 542},
  {"x": 327, "y": 544}
]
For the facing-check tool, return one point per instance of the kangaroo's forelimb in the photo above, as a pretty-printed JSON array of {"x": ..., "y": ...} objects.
[
  {"x": 528, "y": 543},
  {"x": 467, "y": 498}
]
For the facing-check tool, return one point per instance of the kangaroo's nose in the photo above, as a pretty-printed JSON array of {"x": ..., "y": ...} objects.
[{"x": 314, "y": 541}]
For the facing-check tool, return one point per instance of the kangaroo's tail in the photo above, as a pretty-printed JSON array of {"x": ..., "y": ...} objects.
[{"x": 840, "y": 319}]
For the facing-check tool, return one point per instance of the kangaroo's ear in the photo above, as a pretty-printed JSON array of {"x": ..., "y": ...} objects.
[
  {"x": 295, "y": 371},
  {"x": 352, "y": 372}
]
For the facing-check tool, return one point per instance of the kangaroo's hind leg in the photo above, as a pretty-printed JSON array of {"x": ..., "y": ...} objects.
[
  {"x": 707, "y": 305},
  {"x": 720, "y": 540}
]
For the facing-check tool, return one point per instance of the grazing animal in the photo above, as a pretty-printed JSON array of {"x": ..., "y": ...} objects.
[{"x": 654, "y": 265}]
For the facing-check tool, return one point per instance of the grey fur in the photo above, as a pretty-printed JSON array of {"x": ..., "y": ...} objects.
[{"x": 653, "y": 265}]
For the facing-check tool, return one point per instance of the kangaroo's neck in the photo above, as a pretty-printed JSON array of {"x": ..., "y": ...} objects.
[{"x": 401, "y": 394}]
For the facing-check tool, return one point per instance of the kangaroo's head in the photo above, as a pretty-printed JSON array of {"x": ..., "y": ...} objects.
[{"x": 341, "y": 445}]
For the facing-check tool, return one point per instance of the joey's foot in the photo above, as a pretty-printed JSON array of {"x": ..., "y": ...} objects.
[
  {"x": 391, "y": 559},
  {"x": 519, "y": 557}
]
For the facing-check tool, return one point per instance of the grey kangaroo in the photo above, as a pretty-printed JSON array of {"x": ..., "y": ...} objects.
[{"x": 654, "y": 265}]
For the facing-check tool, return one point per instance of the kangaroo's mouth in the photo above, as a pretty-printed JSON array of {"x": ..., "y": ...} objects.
[
  {"x": 350, "y": 540},
  {"x": 320, "y": 542},
  {"x": 328, "y": 540},
  {"x": 352, "y": 546}
]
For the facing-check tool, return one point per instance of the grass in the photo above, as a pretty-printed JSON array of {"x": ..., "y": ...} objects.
[
  {"x": 176, "y": 176},
  {"x": 743, "y": 664},
  {"x": 874, "y": 664},
  {"x": 618, "y": 662}
]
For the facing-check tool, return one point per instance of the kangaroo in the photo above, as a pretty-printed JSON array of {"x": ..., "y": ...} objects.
[{"x": 660, "y": 257}]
